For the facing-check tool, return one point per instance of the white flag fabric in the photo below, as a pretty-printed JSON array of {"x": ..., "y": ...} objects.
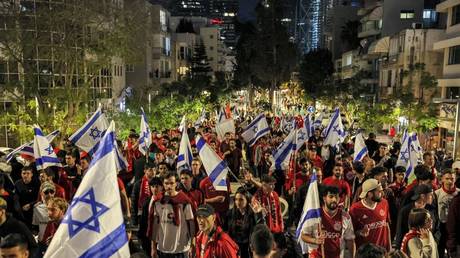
[
  {"x": 145, "y": 139},
  {"x": 360, "y": 148},
  {"x": 308, "y": 125},
  {"x": 282, "y": 154},
  {"x": 215, "y": 167},
  {"x": 334, "y": 132},
  {"x": 407, "y": 157},
  {"x": 43, "y": 151},
  {"x": 28, "y": 148},
  {"x": 221, "y": 116},
  {"x": 318, "y": 122},
  {"x": 255, "y": 130},
  {"x": 416, "y": 146},
  {"x": 225, "y": 126},
  {"x": 311, "y": 212},
  {"x": 182, "y": 123},
  {"x": 301, "y": 138},
  {"x": 93, "y": 225},
  {"x": 89, "y": 135},
  {"x": 200, "y": 119},
  {"x": 185, "y": 157}
]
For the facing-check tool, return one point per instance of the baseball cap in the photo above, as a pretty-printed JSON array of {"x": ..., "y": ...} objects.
[
  {"x": 46, "y": 186},
  {"x": 421, "y": 189},
  {"x": 369, "y": 185},
  {"x": 456, "y": 165},
  {"x": 205, "y": 210}
]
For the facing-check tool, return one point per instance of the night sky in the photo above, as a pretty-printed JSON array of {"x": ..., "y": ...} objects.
[{"x": 246, "y": 12}]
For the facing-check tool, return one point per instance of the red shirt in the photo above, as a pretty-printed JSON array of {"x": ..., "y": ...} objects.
[
  {"x": 218, "y": 245},
  {"x": 333, "y": 228},
  {"x": 271, "y": 203},
  {"x": 301, "y": 179},
  {"x": 344, "y": 187},
  {"x": 209, "y": 192},
  {"x": 196, "y": 196},
  {"x": 50, "y": 230},
  {"x": 375, "y": 219}
]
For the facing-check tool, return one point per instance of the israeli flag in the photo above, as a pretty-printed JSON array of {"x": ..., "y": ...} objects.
[
  {"x": 334, "y": 132},
  {"x": 43, "y": 151},
  {"x": 145, "y": 138},
  {"x": 319, "y": 120},
  {"x": 201, "y": 119},
  {"x": 215, "y": 167},
  {"x": 89, "y": 135},
  {"x": 283, "y": 153},
  {"x": 360, "y": 147},
  {"x": 28, "y": 148},
  {"x": 407, "y": 157},
  {"x": 93, "y": 225},
  {"x": 256, "y": 129},
  {"x": 301, "y": 138},
  {"x": 221, "y": 116},
  {"x": 182, "y": 123},
  {"x": 311, "y": 213},
  {"x": 416, "y": 146},
  {"x": 308, "y": 125},
  {"x": 184, "y": 159}
]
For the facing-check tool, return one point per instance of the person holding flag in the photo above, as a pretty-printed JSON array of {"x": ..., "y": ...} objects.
[
  {"x": 145, "y": 138},
  {"x": 93, "y": 225},
  {"x": 269, "y": 200},
  {"x": 336, "y": 231}
]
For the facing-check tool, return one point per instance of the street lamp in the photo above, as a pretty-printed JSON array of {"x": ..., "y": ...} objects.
[{"x": 457, "y": 119}]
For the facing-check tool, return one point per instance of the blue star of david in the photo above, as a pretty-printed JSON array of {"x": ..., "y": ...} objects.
[
  {"x": 91, "y": 223},
  {"x": 49, "y": 150},
  {"x": 255, "y": 129},
  {"x": 405, "y": 155},
  {"x": 95, "y": 133},
  {"x": 301, "y": 136}
]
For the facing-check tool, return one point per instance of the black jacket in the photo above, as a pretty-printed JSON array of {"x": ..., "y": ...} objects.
[
  {"x": 11, "y": 225},
  {"x": 240, "y": 226}
]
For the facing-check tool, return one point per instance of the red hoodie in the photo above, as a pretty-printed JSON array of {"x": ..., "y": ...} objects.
[{"x": 216, "y": 246}]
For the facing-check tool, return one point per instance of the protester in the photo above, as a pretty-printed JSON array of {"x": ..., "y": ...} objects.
[
  {"x": 173, "y": 224},
  {"x": 419, "y": 241},
  {"x": 261, "y": 242},
  {"x": 57, "y": 208},
  {"x": 211, "y": 240},
  {"x": 337, "y": 232},
  {"x": 26, "y": 194},
  {"x": 370, "y": 216},
  {"x": 269, "y": 200},
  {"x": 242, "y": 219},
  {"x": 14, "y": 246}
]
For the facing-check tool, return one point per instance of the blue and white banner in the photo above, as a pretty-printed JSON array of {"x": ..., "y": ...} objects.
[
  {"x": 308, "y": 125},
  {"x": 256, "y": 129},
  {"x": 145, "y": 139},
  {"x": 185, "y": 157},
  {"x": 43, "y": 151},
  {"x": 360, "y": 148},
  {"x": 318, "y": 122},
  {"x": 311, "y": 212},
  {"x": 93, "y": 225},
  {"x": 407, "y": 157},
  {"x": 301, "y": 138},
  {"x": 282, "y": 155},
  {"x": 334, "y": 133},
  {"x": 28, "y": 148},
  {"x": 221, "y": 116},
  {"x": 88, "y": 136},
  {"x": 200, "y": 119},
  {"x": 215, "y": 167},
  {"x": 225, "y": 126}
]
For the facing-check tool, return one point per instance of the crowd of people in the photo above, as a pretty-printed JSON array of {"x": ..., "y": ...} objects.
[{"x": 368, "y": 209}]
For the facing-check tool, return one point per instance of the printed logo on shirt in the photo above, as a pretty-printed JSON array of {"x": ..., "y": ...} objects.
[
  {"x": 338, "y": 226},
  {"x": 331, "y": 235},
  {"x": 382, "y": 212},
  {"x": 375, "y": 225},
  {"x": 364, "y": 216}
]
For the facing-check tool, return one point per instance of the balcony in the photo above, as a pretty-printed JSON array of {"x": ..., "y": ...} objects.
[
  {"x": 369, "y": 7},
  {"x": 370, "y": 28},
  {"x": 158, "y": 52}
]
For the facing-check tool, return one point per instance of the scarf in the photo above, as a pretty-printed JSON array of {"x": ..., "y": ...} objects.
[
  {"x": 449, "y": 191},
  {"x": 411, "y": 234},
  {"x": 175, "y": 201},
  {"x": 144, "y": 192},
  {"x": 273, "y": 216}
]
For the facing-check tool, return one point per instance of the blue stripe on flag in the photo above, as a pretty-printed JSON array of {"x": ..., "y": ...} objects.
[
  {"x": 283, "y": 155},
  {"x": 105, "y": 149},
  {"x": 258, "y": 135},
  {"x": 86, "y": 128},
  {"x": 180, "y": 158},
  {"x": 360, "y": 155},
  {"x": 254, "y": 122},
  {"x": 109, "y": 245},
  {"x": 217, "y": 170},
  {"x": 199, "y": 145},
  {"x": 331, "y": 124},
  {"x": 311, "y": 214},
  {"x": 40, "y": 161},
  {"x": 37, "y": 131}
]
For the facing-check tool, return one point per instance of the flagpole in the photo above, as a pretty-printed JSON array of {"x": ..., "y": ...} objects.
[{"x": 320, "y": 231}]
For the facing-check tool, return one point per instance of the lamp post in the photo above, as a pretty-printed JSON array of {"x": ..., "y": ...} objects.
[{"x": 457, "y": 119}]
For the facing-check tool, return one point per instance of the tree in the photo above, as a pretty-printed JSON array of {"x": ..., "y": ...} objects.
[
  {"x": 64, "y": 49},
  {"x": 315, "y": 72}
]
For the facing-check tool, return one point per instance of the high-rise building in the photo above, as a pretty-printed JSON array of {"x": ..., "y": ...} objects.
[{"x": 223, "y": 13}]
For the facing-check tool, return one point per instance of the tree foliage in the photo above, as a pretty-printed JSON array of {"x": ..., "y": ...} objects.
[{"x": 315, "y": 72}]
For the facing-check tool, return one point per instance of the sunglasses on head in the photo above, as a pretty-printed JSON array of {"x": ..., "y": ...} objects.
[{"x": 48, "y": 192}]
